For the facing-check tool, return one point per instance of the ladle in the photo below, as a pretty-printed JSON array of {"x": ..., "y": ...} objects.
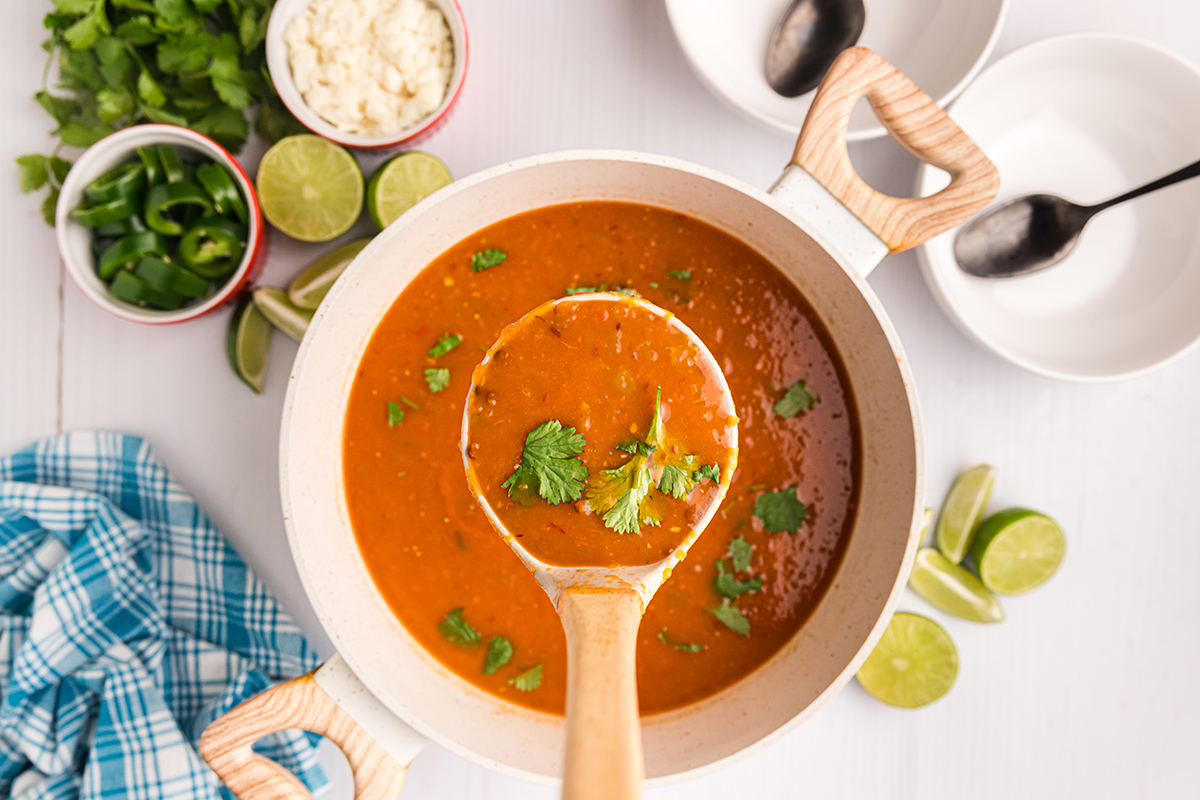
[{"x": 601, "y": 607}]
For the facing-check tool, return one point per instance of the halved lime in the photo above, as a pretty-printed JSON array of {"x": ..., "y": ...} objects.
[
  {"x": 310, "y": 188},
  {"x": 248, "y": 343},
  {"x": 952, "y": 589},
  {"x": 309, "y": 288},
  {"x": 914, "y": 663},
  {"x": 281, "y": 312},
  {"x": 1018, "y": 549},
  {"x": 963, "y": 508},
  {"x": 402, "y": 182}
]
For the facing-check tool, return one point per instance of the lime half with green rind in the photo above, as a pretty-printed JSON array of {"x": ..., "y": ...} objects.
[
  {"x": 964, "y": 506},
  {"x": 914, "y": 663},
  {"x": 310, "y": 188},
  {"x": 952, "y": 588},
  {"x": 1017, "y": 550},
  {"x": 401, "y": 183},
  {"x": 248, "y": 343}
]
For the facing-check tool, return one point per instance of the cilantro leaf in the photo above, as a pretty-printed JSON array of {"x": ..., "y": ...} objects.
[
  {"x": 528, "y": 680},
  {"x": 686, "y": 648},
  {"x": 603, "y": 287},
  {"x": 797, "y": 398},
  {"x": 780, "y": 511},
  {"x": 499, "y": 652},
  {"x": 636, "y": 447},
  {"x": 488, "y": 258},
  {"x": 550, "y": 461},
  {"x": 437, "y": 378},
  {"x": 732, "y": 618},
  {"x": 728, "y": 586},
  {"x": 675, "y": 482},
  {"x": 681, "y": 274},
  {"x": 617, "y": 495},
  {"x": 395, "y": 414},
  {"x": 740, "y": 550},
  {"x": 710, "y": 471},
  {"x": 455, "y": 630},
  {"x": 444, "y": 345}
]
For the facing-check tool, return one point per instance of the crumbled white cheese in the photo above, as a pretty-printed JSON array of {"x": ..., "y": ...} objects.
[{"x": 372, "y": 67}]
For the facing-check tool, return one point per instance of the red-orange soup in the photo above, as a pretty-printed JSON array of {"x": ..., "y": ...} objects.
[
  {"x": 582, "y": 377},
  {"x": 430, "y": 548}
]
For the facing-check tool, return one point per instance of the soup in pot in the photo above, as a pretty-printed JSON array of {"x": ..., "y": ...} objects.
[{"x": 763, "y": 563}]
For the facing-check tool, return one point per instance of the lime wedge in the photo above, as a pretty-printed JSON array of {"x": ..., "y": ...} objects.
[
  {"x": 926, "y": 521},
  {"x": 402, "y": 182},
  {"x": 914, "y": 663},
  {"x": 310, "y": 188},
  {"x": 248, "y": 343},
  {"x": 952, "y": 589},
  {"x": 309, "y": 288},
  {"x": 280, "y": 312},
  {"x": 962, "y": 510},
  {"x": 1018, "y": 549}
]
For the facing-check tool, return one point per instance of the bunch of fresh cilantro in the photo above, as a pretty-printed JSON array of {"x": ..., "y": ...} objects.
[{"x": 195, "y": 63}]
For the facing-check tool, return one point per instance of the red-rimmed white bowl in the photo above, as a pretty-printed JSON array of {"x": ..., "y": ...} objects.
[
  {"x": 75, "y": 241},
  {"x": 281, "y": 76}
]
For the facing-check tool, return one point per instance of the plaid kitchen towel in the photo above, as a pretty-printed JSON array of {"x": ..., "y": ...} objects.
[{"x": 127, "y": 624}]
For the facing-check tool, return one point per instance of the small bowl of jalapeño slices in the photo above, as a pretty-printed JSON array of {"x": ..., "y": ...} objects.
[{"x": 159, "y": 224}]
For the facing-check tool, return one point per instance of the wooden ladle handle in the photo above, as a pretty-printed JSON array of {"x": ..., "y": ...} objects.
[
  {"x": 604, "y": 735},
  {"x": 913, "y": 120},
  {"x": 298, "y": 703}
]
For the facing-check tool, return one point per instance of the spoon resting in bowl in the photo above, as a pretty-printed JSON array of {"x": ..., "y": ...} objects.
[
  {"x": 1031, "y": 233},
  {"x": 806, "y": 40},
  {"x": 599, "y": 437}
]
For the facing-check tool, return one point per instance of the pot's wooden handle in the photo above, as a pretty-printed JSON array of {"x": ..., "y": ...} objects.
[
  {"x": 298, "y": 703},
  {"x": 917, "y": 123},
  {"x": 604, "y": 734}
]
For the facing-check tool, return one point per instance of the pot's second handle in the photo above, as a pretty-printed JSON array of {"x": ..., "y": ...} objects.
[
  {"x": 378, "y": 745},
  {"x": 916, "y": 122}
]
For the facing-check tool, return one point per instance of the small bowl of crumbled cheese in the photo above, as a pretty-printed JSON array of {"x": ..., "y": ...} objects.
[{"x": 368, "y": 73}]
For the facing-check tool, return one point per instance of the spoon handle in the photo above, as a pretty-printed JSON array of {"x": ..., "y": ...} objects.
[
  {"x": 604, "y": 735},
  {"x": 1190, "y": 171}
]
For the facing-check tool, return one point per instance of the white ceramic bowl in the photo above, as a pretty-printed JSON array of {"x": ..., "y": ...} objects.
[
  {"x": 939, "y": 45},
  {"x": 281, "y": 76},
  {"x": 75, "y": 241},
  {"x": 1086, "y": 117}
]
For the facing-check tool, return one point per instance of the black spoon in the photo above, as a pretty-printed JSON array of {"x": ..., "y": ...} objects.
[
  {"x": 1036, "y": 231},
  {"x": 807, "y": 39}
]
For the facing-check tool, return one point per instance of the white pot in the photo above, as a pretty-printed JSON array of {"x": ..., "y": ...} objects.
[{"x": 383, "y": 685}]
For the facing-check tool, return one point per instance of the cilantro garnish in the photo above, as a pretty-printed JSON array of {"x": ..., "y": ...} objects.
[
  {"x": 740, "y": 550},
  {"x": 455, "y": 630},
  {"x": 395, "y": 414},
  {"x": 444, "y": 345},
  {"x": 710, "y": 471},
  {"x": 437, "y": 378},
  {"x": 550, "y": 461},
  {"x": 675, "y": 482},
  {"x": 681, "y": 274},
  {"x": 728, "y": 586},
  {"x": 686, "y": 648},
  {"x": 409, "y": 403},
  {"x": 732, "y": 618},
  {"x": 488, "y": 258},
  {"x": 528, "y": 680},
  {"x": 499, "y": 652},
  {"x": 798, "y": 398},
  {"x": 636, "y": 447},
  {"x": 780, "y": 511},
  {"x": 617, "y": 494}
]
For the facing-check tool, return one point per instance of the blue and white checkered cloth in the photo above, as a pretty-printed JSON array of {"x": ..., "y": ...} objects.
[{"x": 127, "y": 624}]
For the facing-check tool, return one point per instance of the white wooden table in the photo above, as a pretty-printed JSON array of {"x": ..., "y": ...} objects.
[{"x": 1089, "y": 689}]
